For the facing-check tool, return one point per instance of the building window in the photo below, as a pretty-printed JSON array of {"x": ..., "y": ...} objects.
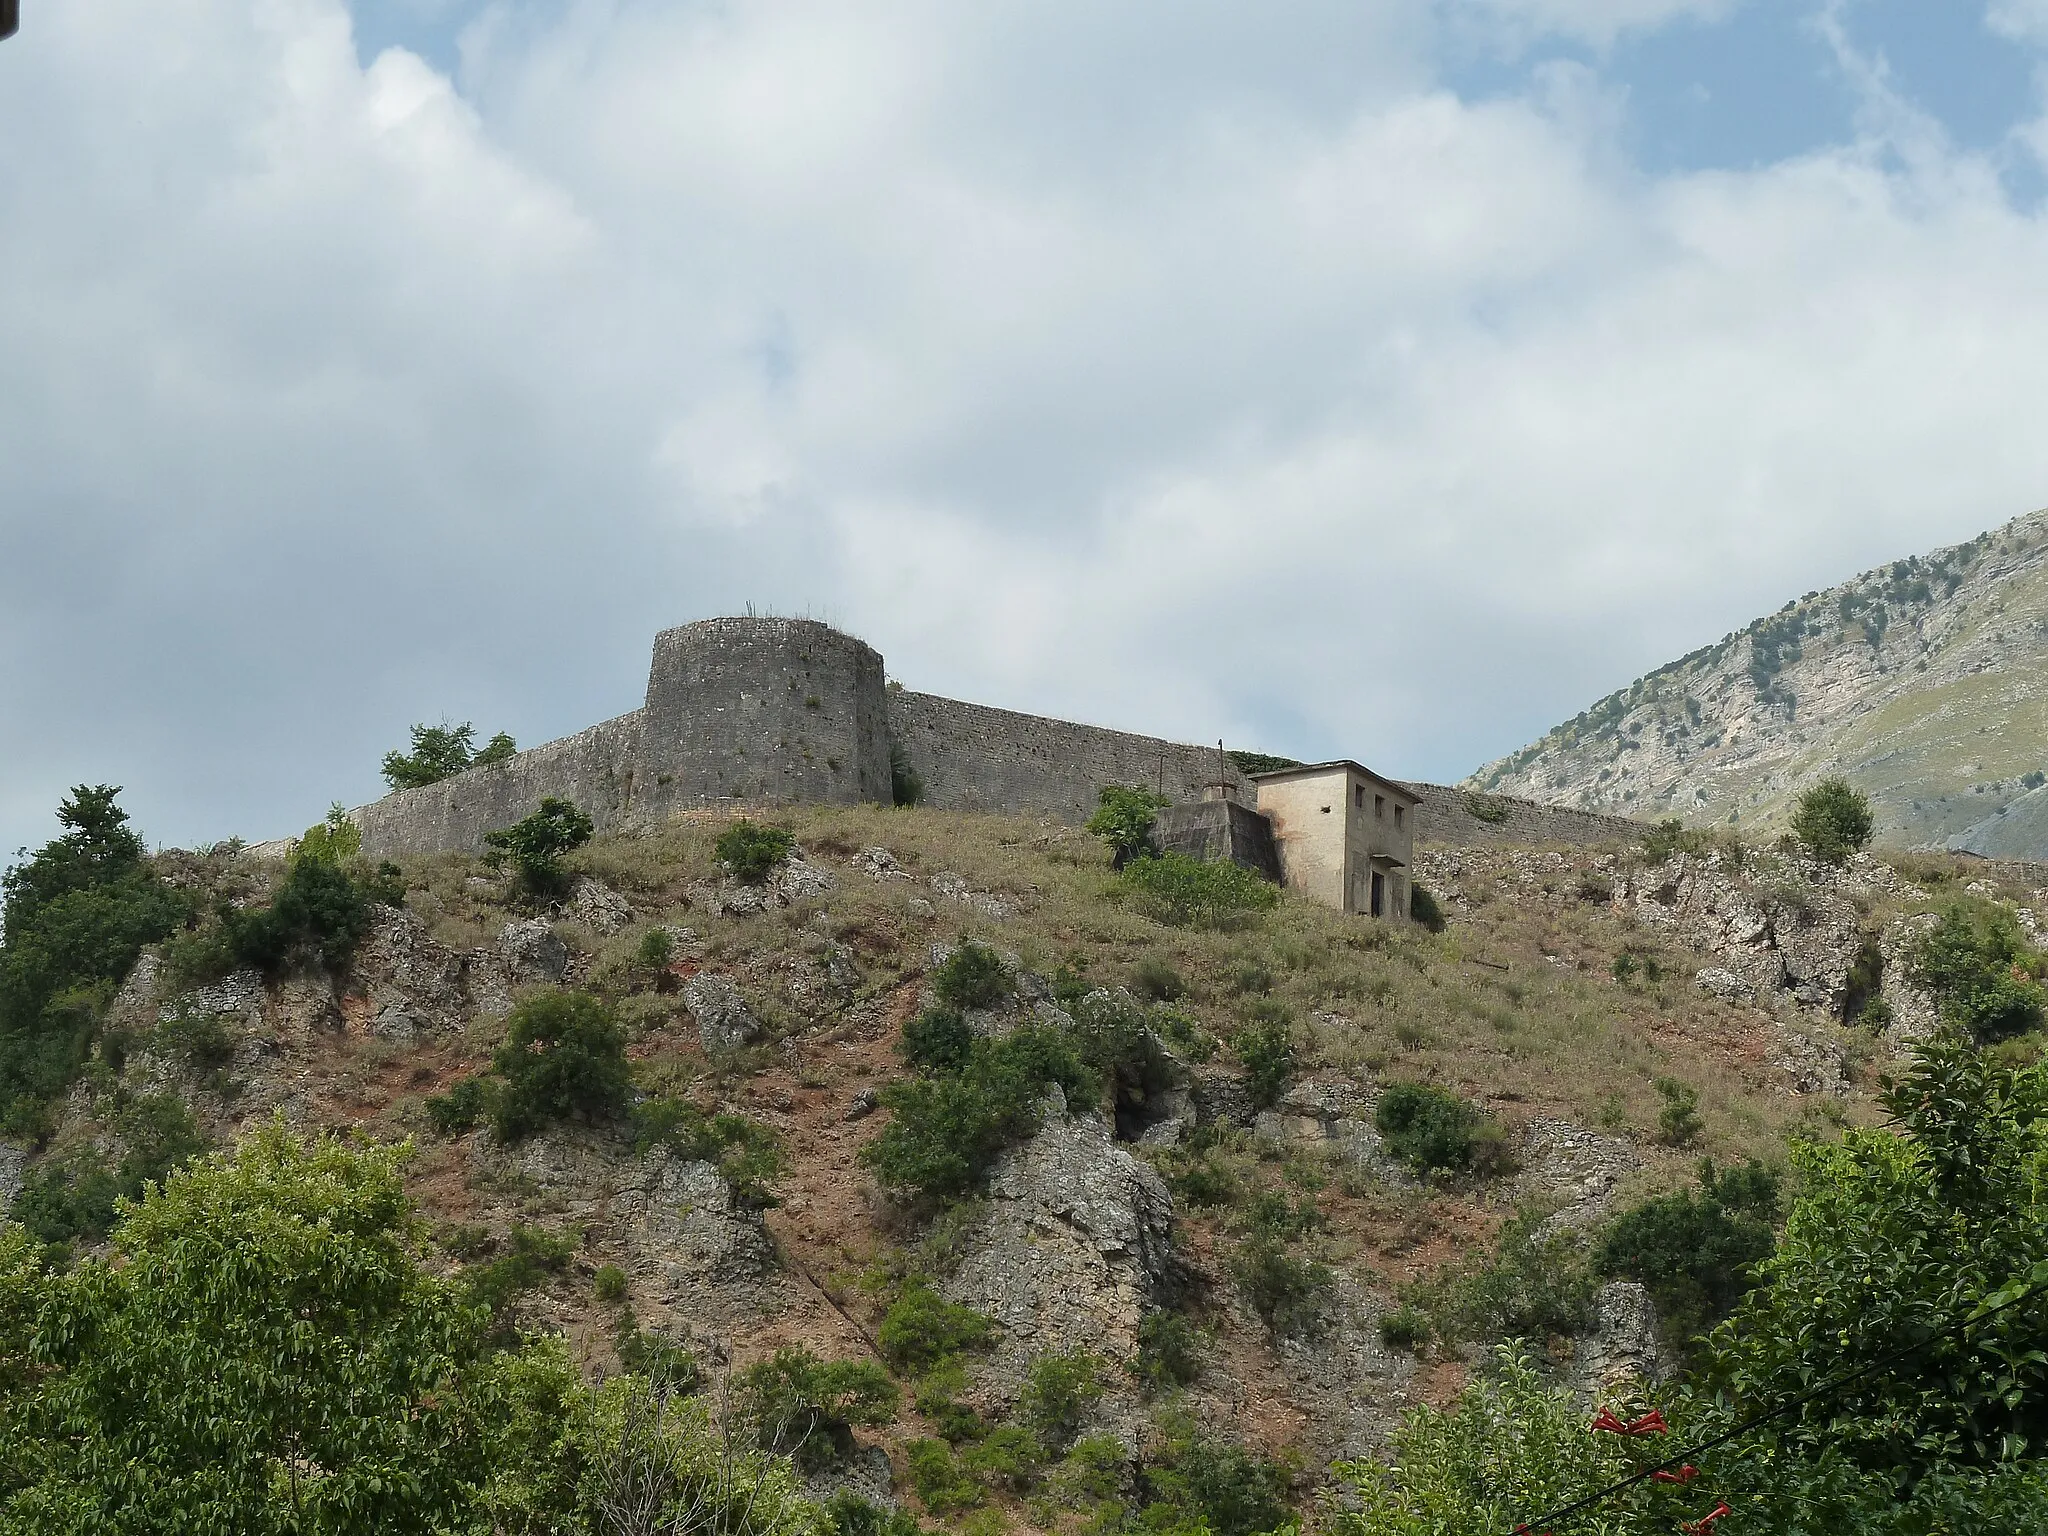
[
  {"x": 1398, "y": 814},
  {"x": 1379, "y": 805},
  {"x": 1358, "y": 796}
]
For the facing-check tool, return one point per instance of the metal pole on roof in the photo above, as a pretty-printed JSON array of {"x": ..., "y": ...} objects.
[{"x": 10, "y": 17}]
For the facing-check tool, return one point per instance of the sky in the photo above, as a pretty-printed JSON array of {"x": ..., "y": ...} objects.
[{"x": 1372, "y": 378}]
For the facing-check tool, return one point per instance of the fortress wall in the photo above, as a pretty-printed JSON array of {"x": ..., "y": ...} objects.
[
  {"x": 595, "y": 768},
  {"x": 974, "y": 758},
  {"x": 1445, "y": 817},
  {"x": 766, "y": 711}
]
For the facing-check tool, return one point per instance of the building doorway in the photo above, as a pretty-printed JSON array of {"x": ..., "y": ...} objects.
[{"x": 1379, "y": 894}]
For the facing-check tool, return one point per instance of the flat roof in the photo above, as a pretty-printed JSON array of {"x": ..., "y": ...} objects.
[{"x": 1345, "y": 764}]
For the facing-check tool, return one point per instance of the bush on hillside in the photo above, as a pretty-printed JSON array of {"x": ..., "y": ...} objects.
[
  {"x": 750, "y": 851},
  {"x": 529, "y": 1256},
  {"x": 1059, "y": 1395},
  {"x": 922, "y": 1330},
  {"x": 535, "y": 845},
  {"x": 337, "y": 840},
  {"x": 1833, "y": 820},
  {"x": 1425, "y": 909},
  {"x": 1671, "y": 837},
  {"x": 440, "y": 752},
  {"x": 1266, "y": 1048},
  {"x": 1186, "y": 893},
  {"x": 1155, "y": 980},
  {"x": 972, "y": 976},
  {"x": 563, "y": 1055},
  {"x": 1432, "y": 1130},
  {"x": 1532, "y": 1287},
  {"x": 1172, "y": 1351},
  {"x": 1290, "y": 1293},
  {"x": 806, "y": 1408},
  {"x": 1981, "y": 970},
  {"x": 748, "y": 1153},
  {"x": 76, "y": 1195},
  {"x": 1194, "y": 1480},
  {"x": 1678, "y": 1120},
  {"x": 1695, "y": 1250},
  {"x": 906, "y": 784},
  {"x": 937, "y": 1040},
  {"x": 318, "y": 916},
  {"x": 1124, "y": 821}
]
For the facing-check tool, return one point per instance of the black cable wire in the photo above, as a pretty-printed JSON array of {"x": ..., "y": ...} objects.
[{"x": 1566, "y": 1510}]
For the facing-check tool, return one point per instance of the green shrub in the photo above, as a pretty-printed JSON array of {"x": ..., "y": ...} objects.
[
  {"x": 1124, "y": 821},
  {"x": 1197, "y": 1481},
  {"x": 461, "y": 1107},
  {"x": 805, "y": 1408},
  {"x": 75, "y": 1196},
  {"x": 1531, "y": 1287},
  {"x": 750, "y": 851},
  {"x": 656, "y": 950},
  {"x": 1059, "y": 1395},
  {"x": 748, "y": 1153},
  {"x": 937, "y": 1040},
  {"x": 945, "y": 1130},
  {"x": 440, "y": 752},
  {"x": 848, "y": 1514},
  {"x": 609, "y": 1283},
  {"x": 1115, "y": 1040},
  {"x": 1424, "y": 908},
  {"x": 906, "y": 785},
  {"x": 1201, "y": 1183},
  {"x": 535, "y": 845},
  {"x": 318, "y": 916},
  {"x": 1678, "y": 1120},
  {"x": 1183, "y": 892},
  {"x": 1695, "y": 1250},
  {"x": 199, "y": 1039},
  {"x": 1434, "y": 1131},
  {"x": 531, "y": 1255},
  {"x": 1487, "y": 809},
  {"x": 563, "y": 1054},
  {"x": 922, "y": 1330},
  {"x": 1267, "y": 1051},
  {"x": 1290, "y": 1294},
  {"x": 940, "y": 1481},
  {"x": 1153, "y": 979},
  {"x": 1981, "y": 970},
  {"x": 1404, "y": 1328},
  {"x": 1172, "y": 1351},
  {"x": 337, "y": 840},
  {"x": 973, "y": 976},
  {"x": 1833, "y": 820}
]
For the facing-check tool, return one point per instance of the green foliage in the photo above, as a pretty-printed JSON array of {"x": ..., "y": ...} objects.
[
  {"x": 76, "y": 1195},
  {"x": 748, "y": 1153},
  {"x": 440, "y": 752},
  {"x": 1432, "y": 1130},
  {"x": 1185, "y": 893},
  {"x": 1425, "y": 909},
  {"x": 535, "y": 845},
  {"x": 1981, "y": 970},
  {"x": 848, "y": 1514},
  {"x": 530, "y": 1255},
  {"x": 945, "y": 1129},
  {"x": 1678, "y": 1120},
  {"x": 1059, "y": 1395},
  {"x": 750, "y": 851},
  {"x": 1532, "y": 1287},
  {"x": 608, "y": 1284},
  {"x": 1670, "y": 837},
  {"x": 318, "y": 916},
  {"x": 1155, "y": 980},
  {"x": 200, "y": 1039},
  {"x": 804, "y": 1407},
  {"x": 1172, "y": 1351},
  {"x": 906, "y": 784},
  {"x": 656, "y": 950},
  {"x": 1404, "y": 1328},
  {"x": 922, "y": 1331},
  {"x": 73, "y": 919},
  {"x": 972, "y": 976},
  {"x": 937, "y": 1040},
  {"x": 336, "y": 840},
  {"x": 563, "y": 1054},
  {"x": 940, "y": 1481},
  {"x": 1694, "y": 1250},
  {"x": 461, "y": 1107},
  {"x": 1833, "y": 820},
  {"x": 1260, "y": 762},
  {"x": 261, "y": 1355},
  {"x": 1267, "y": 1051},
  {"x": 1290, "y": 1293},
  {"x": 1197, "y": 1481},
  {"x": 1124, "y": 821},
  {"x": 1116, "y": 1042}
]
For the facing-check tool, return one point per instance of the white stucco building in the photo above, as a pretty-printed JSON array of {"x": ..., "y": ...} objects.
[{"x": 1346, "y": 836}]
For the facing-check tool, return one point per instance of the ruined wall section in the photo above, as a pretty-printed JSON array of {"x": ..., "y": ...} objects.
[
  {"x": 762, "y": 712},
  {"x": 595, "y": 768},
  {"x": 974, "y": 758},
  {"x": 1446, "y": 817}
]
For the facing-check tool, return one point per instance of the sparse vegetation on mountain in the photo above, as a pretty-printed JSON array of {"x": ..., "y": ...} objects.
[
  {"x": 1833, "y": 820},
  {"x": 750, "y": 851},
  {"x": 563, "y": 1056},
  {"x": 318, "y": 916},
  {"x": 534, "y": 846},
  {"x": 1434, "y": 1131},
  {"x": 1183, "y": 892},
  {"x": 1982, "y": 970}
]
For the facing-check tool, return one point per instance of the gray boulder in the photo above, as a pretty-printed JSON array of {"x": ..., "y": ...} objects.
[
  {"x": 723, "y": 1019},
  {"x": 1625, "y": 1351}
]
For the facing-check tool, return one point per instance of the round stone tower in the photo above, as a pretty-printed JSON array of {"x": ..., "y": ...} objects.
[{"x": 765, "y": 710}]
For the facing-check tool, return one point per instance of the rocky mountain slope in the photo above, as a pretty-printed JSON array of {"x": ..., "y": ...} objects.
[{"x": 1924, "y": 682}]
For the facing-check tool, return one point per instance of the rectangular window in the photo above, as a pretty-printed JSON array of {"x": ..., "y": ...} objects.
[
  {"x": 1379, "y": 806},
  {"x": 1358, "y": 796},
  {"x": 1399, "y": 810}
]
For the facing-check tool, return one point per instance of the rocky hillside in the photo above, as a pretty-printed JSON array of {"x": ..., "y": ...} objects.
[
  {"x": 1226, "y": 1238},
  {"x": 1924, "y": 682}
]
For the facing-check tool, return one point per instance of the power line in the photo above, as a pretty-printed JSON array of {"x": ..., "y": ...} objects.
[{"x": 1684, "y": 1457}]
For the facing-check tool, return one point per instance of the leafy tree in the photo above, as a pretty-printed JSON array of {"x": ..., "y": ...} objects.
[
  {"x": 564, "y": 1054},
  {"x": 73, "y": 919},
  {"x": 937, "y": 1040},
  {"x": 806, "y": 1408},
  {"x": 263, "y": 1354},
  {"x": 1833, "y": 819},
  {"x": 1125, "y": 819},
  {"x": 751, "y": 851},
  {"x": 535, "y": 845},
  {"x": 440, "y": 752},
  {"x": 1981, "y": 970},
  {"x": 319, "y": 914},
  {"x": 1695, "y": 1250},
  {"x": 334, "y": 841}
]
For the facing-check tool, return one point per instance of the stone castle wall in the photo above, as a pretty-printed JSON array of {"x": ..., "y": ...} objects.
[
  {"x": 974, "y": 758},
  {"x": 763, "y": 712},
  {"x": 1445, "y": 816}
]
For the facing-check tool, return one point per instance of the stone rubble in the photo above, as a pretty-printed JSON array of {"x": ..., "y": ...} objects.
[{"x": 723, "y": 1019}]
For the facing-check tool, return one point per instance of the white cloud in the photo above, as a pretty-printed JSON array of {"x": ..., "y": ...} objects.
[
  {"x": 1514, "y": 23},
  {"x": 2023, "y": 21},
  {"x": 1156, "y": 363}
]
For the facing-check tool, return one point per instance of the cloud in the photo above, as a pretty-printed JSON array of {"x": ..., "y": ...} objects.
[
  {"x": 2024, "y": 21},
  {"x": 1155, "y": 364},
  {"x": 1514, "y": 24}
]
